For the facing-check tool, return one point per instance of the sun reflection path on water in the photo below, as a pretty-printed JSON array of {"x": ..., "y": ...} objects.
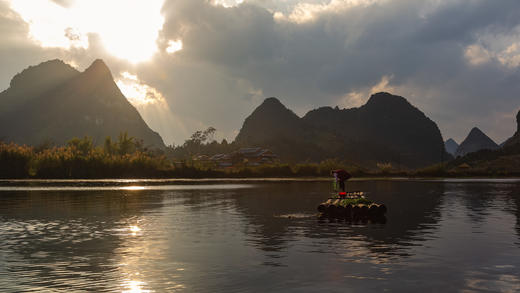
[
  {"x": 135, "y": 230},
  {"x": 133, "y": 188},
  {"x": 140, "y": 254},
  {"x": 125, "y": 188},
  {"x": 133, "y": 286}
]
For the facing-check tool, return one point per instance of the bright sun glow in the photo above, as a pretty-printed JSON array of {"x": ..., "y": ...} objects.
[
  {"x": 151, "y": 104},
  {"x": 228, "y": 3},
  {"x": 137, "y": 92},
  {"x": 118, "y": 23},
  {"x": 174, "y": 46}
]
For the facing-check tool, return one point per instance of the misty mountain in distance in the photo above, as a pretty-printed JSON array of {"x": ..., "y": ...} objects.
[
  {"x": 451, "y": 146},
  {"x": 386, "y": 129},
  {"x": 475, "y": 141},
  {"x": 54, "y": 102},
  {"x": 500, "y": 161}
]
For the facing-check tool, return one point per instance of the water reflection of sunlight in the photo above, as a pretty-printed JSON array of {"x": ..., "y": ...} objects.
[
  {"x": 115, "y": 186},
  {"x": 141, "y": 257},
  {"x": 131, "y": 262},
  {"x": 133, "y": 286},
  {"x": 134, "y": 230},
  {"x": 133, "y": 188}
]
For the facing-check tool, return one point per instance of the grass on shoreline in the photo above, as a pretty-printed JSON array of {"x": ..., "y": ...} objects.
[{"x": 126, "y": 158}]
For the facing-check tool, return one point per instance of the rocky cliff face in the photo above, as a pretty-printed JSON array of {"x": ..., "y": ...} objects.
[
  {"x": 475, "y": 141},
  {"x": 515, "y": 139},
  {"x": 272, "y": 115},
  {"x": 55, "y": 102},
  {"x": 451, "y": 146},
  {"x": 386, "y": 129},
  {"x": 33, "y": 82},
  {"x": 273, "y": 125}
]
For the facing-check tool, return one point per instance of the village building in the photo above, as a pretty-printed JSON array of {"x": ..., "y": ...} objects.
[{"x": 243, "y": 157}]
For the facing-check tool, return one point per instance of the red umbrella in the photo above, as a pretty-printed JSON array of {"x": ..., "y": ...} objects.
[{"x": 342, "y": 174}]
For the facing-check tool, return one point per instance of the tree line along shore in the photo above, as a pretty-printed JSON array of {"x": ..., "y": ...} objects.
[{"x": 126, "y": 157}]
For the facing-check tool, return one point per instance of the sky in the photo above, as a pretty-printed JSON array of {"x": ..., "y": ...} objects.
[{"x": 190, "y": 64}]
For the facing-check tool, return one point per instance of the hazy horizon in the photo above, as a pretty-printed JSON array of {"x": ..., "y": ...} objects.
[{"x": 193, "y": 63}]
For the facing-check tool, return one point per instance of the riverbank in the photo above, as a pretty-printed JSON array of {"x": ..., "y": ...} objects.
[
  {"x": 194, "y": 181},
  {"x": 81, "y": 160}
]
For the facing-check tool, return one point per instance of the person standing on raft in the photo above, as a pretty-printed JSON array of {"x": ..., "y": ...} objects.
[{"x": 341, "y": 176}]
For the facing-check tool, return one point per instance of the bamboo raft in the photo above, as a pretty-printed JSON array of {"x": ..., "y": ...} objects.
[{"x": 352, "y": 206}]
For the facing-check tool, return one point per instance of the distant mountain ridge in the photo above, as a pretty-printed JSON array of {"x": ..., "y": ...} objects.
[
  {"x": 386, "y": 129},
  {"x": 475, "y": 141},
  {"x": 54, "y": 102},
  {"x": 451, "y": 146},
  {"x": 486, "y": 162},
  {"x": 34, "y": 81}
]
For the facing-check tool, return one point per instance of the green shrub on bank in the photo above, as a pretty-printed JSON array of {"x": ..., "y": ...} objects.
[
  {"x": 80, "y": 159},
  {"x": 126, "y": 158},
  {"x": 437, "y": 170},
  {"x": 15, "y": 160}
]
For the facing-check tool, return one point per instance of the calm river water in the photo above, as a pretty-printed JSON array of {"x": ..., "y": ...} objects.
[{"x": 126, "y": 236}]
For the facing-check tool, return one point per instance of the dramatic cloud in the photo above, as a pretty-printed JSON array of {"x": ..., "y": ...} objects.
[
  {"x": 214, "y": 61},
  {"x": 66, "y": 24},
  {"x": 137, "y": 92}
]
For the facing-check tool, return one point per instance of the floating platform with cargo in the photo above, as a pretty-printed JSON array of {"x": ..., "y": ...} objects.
[{"x": 352, "y": 206}]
